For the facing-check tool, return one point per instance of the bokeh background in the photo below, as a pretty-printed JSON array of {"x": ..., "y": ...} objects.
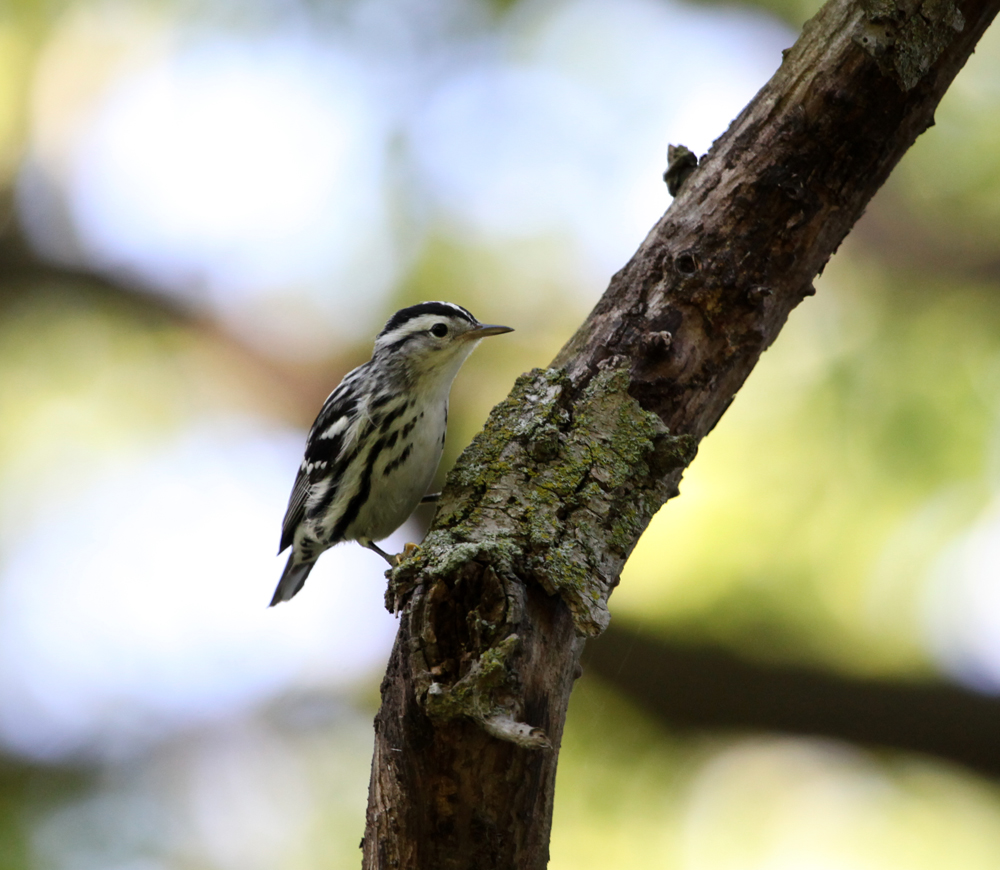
[{"x": 207, "y": 210}]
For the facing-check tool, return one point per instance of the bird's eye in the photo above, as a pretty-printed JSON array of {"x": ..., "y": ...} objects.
[{"x": 440, "y": 330}]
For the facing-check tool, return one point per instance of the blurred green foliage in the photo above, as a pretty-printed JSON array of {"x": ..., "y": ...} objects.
[
  {"x": 947, "y": 188},
  {"x": 629, "y": 794},
  {"x": 859, "y": 446},
  {"x": 26, "y": 793},
  {"x": 864, "y": 441}
]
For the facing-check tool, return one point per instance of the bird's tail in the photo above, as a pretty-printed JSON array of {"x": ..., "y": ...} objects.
[{"x": 292, "y": 579}]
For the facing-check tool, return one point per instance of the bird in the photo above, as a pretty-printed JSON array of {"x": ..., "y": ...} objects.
[{"x": 375, "y": 446}]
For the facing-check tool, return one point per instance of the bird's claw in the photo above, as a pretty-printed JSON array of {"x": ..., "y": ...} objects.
[
  {"x": 408, "y": 550},
  {"x": 399, "y": 589}
]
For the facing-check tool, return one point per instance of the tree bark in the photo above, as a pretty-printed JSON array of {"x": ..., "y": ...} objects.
[{"x": 541, "y": 511}]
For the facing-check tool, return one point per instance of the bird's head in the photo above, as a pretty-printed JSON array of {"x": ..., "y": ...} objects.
[{"x": 432, "y": 338}]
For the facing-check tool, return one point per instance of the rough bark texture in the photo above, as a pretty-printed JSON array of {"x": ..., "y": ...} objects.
[{"x": 544, "y": 507}]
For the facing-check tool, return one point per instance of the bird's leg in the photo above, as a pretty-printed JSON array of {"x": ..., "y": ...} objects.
[
  {"x": 371, "y": 545},
  {"x": 408, "y": 550},
  {"x": 430, "y": 498}
]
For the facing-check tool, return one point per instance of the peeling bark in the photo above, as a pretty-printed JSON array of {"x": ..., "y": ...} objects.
[{"x": 541, "y": 511}]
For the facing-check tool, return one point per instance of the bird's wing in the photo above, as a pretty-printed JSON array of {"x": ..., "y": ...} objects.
[
  {"x": 324, "y": 447},
  {"x": 296, "y": 508}
]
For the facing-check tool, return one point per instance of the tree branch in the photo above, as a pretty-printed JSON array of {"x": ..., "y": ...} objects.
[
  {"x": 705, "y": 688},
  {"x": 541, "y": 511}
]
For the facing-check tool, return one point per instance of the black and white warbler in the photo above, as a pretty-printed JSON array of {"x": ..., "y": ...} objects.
[{"x": 377, "y": 442}]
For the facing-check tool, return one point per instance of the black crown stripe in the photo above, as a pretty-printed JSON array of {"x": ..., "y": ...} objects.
[{"x": 445, "y": 309}]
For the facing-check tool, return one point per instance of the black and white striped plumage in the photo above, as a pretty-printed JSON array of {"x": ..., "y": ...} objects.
[{"x": 377, "y": 442}]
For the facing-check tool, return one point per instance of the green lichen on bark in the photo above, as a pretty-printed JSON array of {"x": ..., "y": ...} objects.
[
  {"x": 906, "y": 37},
  {"x": 556, "y": 490},
  {"x": 479, "y": 693}
]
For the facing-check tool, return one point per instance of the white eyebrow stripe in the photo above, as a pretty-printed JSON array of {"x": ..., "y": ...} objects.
[
  {"x": 460, "y": 311},
  {"x": 413, "y": 326}
]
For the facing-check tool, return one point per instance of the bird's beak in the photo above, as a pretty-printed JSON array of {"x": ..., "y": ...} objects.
[{"x": 485, "y": 329}]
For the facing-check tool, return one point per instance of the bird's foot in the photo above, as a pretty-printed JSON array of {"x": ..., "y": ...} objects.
[
  {"x": 399, "y": 589},
  {"x": 394, "y": 561},
  {"x": 408, "y": 550}
]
